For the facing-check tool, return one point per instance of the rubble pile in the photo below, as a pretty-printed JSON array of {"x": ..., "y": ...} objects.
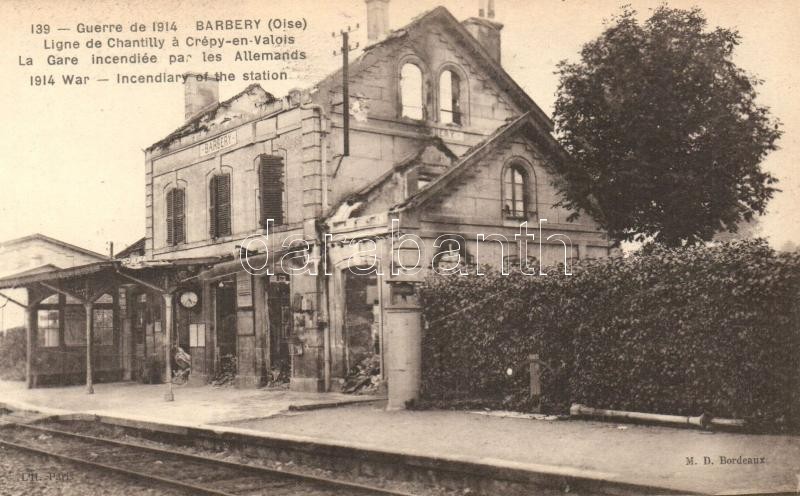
[
  {"x": 364, "y": 377},
  {"x": 227, "y": 371}
]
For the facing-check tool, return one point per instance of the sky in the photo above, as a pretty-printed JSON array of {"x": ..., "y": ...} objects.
[{"x": 72, "y": 160}]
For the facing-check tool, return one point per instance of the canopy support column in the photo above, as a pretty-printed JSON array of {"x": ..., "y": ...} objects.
[
  {"x": 30, "y": 315},
  {"x": 169, "y": 395},
  {"x": 89, "y": 306}
]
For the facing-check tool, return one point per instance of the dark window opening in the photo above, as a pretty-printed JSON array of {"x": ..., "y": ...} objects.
[{"x": 450, "y": 98}]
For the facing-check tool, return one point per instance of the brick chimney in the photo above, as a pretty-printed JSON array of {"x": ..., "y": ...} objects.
[
  {"x": 198, "y": 93},
  {"x": 486, "y": 30},
  {"x": 377, "y": 19}
]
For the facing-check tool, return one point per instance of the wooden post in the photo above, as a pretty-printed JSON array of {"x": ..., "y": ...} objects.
[
  {"x": 536, "y": 381},
  {"x": 169, "y": 395},
  {"x": 346, "y": 93},
  {"x": 30, "y": 314},
  {"x": 89, "y": 306}
]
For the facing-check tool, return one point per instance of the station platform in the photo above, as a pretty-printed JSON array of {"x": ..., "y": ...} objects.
[
  {"x": 195, "y": 405},
  {"x": 665, "y": 460}
]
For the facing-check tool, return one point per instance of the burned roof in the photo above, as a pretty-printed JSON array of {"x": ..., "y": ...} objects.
[
  {"x": 488, "y": 63},
  {"x": 199, "y": 120},
  {"x": 135, "y": 247},
  {"x": 439, "y": 14}
]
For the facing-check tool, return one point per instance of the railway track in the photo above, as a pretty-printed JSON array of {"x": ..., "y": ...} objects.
[{"x": 194, "y": 474}]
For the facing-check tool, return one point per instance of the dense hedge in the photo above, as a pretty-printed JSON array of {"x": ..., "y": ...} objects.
[
  {"x": 12, "y": 354},
  {"x": 707, "y": 329}
]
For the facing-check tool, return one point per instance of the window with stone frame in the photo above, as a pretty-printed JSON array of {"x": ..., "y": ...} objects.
[
  {"x": 220, "y": 206},
  {"x": 176, "y": 216},
  {"x": 411, "y": 96},
  {"x": 271, "y": 190},
  {"x": 450, "y": 105}
]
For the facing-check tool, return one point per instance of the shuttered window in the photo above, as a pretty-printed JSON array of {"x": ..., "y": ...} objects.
[
  {"x": 270, "y": 186},
  {"x": 176, "y": 216},
  {"x": 220, "y": 209}
]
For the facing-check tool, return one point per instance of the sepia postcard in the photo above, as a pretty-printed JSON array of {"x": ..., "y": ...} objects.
[{"x": 428, "y": 247}]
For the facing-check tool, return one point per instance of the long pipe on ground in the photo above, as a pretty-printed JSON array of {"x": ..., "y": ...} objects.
[{"x": 703, "y": 421}]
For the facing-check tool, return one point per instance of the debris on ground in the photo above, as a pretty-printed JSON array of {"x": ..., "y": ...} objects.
[
  {"x": 279, "y": 375},
  {"x": 364, "y": 377},
  {"x": 227, "y": 371},
  {"x": 183, "y": 366}
]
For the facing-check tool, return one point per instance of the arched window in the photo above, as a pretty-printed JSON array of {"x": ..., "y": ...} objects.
[
  {"x": 270, "y": 186},
  {"x": 450, "y": 98},
  {"x": 176, "y": 216},
  {"x": 220, "y": 205},
  {"x": 516, "y": 192},
  {"x": 411, "y": 91}
]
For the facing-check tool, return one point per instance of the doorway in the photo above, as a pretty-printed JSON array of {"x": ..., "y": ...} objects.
[
  {"x": 226, "y": 327},
  {"x": 280, "y": 326},
  {"x": 140, "y": 319},
  {"x": 361, "y": 321}
]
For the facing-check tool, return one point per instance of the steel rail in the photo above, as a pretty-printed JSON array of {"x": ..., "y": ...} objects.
[
  {"x": 261, "y": 470},
  {"x": 119, "y": 470}
]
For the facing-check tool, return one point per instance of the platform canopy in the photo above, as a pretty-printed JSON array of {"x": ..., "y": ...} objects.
[
  {"x": 55, "y": 274},
  {"x": 87, "y": 283}
]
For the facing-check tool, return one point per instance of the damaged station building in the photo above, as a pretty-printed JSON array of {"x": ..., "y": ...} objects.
[{"x": 427, "y": 137}]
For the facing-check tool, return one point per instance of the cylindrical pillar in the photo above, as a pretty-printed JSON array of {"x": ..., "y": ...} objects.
[
  {"x": 169, "y": 395},
  {"x": 89, "y": 317}
]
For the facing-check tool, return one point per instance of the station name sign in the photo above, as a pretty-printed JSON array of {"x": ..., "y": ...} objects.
[{"x": 218, "y": 143}]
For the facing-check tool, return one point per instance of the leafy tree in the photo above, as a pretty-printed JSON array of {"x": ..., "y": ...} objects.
[{"x": 665, "y": 136}]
